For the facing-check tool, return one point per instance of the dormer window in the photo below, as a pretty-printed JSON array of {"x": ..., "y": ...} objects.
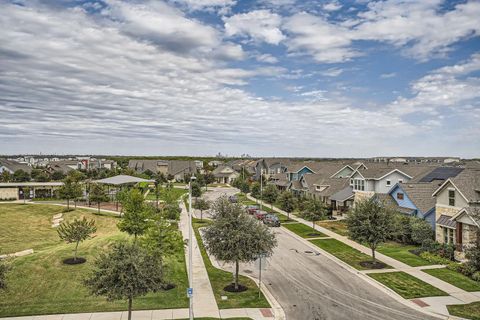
[{"x": 400, "y": 196}]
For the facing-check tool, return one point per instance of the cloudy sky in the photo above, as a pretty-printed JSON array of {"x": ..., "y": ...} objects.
[{"x": 267, "y": 77}]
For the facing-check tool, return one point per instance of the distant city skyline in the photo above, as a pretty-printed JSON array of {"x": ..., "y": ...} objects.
[{"x": 345, "y": 79}]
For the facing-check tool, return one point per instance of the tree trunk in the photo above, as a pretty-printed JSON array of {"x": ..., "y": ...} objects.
[
  {"x": 236, "y": 274},
  {"x": 135, "y": 239},
  {"x": 288, "y": 215},
  {"x": 201, "y": 215},
  {"x": 75, "y": 202},
  {"x": 76, "y": 248},
  {"x": 68, "y": 204},
  {"x": 130, "y": 308},
  {"x": 373, "y": 254},
  {"x": 98, "y": 207},
  {"x": 313, "y": 224}
]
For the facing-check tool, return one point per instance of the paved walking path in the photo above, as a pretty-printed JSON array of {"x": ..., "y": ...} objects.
[
  {"x": 459, "y": 295},
  {"x": 204, "y": 303}
]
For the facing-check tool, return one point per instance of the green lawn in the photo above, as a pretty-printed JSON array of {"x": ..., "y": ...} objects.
[
  {"x": 454, "y": 278},
  {"x": 177, "y": 192},
  {"x": 220, "y": 279},
  {"x": 402, "y": 253},
  {"x": 337, "y": 226},
  {"x": 343, "y": 252},
  {"x": 303, "y": 230},
  {"x": 407, "y": 285},
  {"x": 467, "y": 311},
  {"x": 41, "y": 284}
]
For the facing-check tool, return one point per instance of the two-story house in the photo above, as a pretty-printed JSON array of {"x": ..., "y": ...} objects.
[
  {"x": 225, "y": 174},
  {"x": 457, "y": 209},
  {"x": 270, "y": 166}
]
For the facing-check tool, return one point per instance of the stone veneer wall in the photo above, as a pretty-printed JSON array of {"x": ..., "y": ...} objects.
[
  {"x": 439, "y": 210},
  {"x": 8, "y": 193}
]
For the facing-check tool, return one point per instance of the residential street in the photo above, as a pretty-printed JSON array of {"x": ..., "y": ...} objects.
[{"x": 311, "y": 286}]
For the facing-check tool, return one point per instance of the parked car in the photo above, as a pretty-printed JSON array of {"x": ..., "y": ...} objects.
[
  {"x": 233, "y": 199},
  {"x": 271, "y": 220},
  {"x": 251, "y": 209},
  {"x": 260, "y": 215}
]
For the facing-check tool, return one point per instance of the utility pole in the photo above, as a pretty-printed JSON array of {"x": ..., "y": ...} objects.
[
  {"x": 261, "y": 189},
  {"x": 190, "y": 251}
]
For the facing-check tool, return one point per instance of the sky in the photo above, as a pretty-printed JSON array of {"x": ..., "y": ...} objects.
[{"x": 268, "y": 78}]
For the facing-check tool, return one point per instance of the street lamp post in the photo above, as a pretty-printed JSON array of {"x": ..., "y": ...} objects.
[
  {"x": 190, "y": 251},
  {"x": 261, "y": 189}
]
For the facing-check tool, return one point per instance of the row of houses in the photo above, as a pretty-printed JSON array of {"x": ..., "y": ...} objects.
[
  {"x": 63, "y": 165},
  {"x": 447, "y": 196},
  {"x": 177, "y": 170}
]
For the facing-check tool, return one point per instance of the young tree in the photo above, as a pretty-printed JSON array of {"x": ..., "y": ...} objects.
[
  {"x": 76, "y": 231},
  {"x": 270, "y": 194},
  {"x": 162, "y": 238},
  {"x": 201, "y": 204},
  {"x": 126, "y": 271},
  {"x": 286, "y": 202},
  {"x": 137, "y": 215},
  {"x": 97, "y": 194},
  {"x": 208, "y": 178},
  {"x": 71, "y": 189},
  {"x": 314, "y": 211},
  {"x": 236, "y": 237},
  {"x": 255, "y": 190},
  {"x": 6, "y": 176},
  {"x": 370, "y": 222},
  {"x": 196, "y": 190}
]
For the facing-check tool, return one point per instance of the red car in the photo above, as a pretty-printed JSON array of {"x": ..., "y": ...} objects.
[
  {"x": 252, "y": 209},
  {"x": 260, "y": 215}
]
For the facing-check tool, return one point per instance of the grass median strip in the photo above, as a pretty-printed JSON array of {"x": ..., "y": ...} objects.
[
  {"x": 339, "y": 226},
  {"x": 454, "y": 278},
  {"x": 467, "y": 311},
  {"x": 402, "y": 253},
  {"x": 303, "y": 230},
  {"x": 220, "y": 279},
  {"x": 407, "y": 285},
  {"x": 343, "y": 252}
]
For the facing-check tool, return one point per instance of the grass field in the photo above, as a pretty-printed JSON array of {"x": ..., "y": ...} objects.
[
  {"x": 467, "y": 311},
  {"x": 303, "y": 230},
  {"x": 402, "y": 253},
  {"x": 220, "y": 279},
  {"x": 339, "y": 226},
  {"x": 343, "y": 252},
  {"x": 407, "y": 285},
  {"x": 454, "y": 278},
  {"x": 41, "y": 284},
  {"x": 177, "y": 192}
]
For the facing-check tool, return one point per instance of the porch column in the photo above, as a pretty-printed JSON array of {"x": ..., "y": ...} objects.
[{"x": 458, "y": 236}]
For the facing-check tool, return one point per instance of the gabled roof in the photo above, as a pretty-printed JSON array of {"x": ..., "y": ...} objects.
[
  {"x": 14, "y": 165},
  {"x": 420, "y": 194},
  {"x": 377, "y": 171},
  {"x": 122, "y": 179},
  {"x": 467, "y": 183},
  {"x": 469, "y": 213},
  {"x": 218, "y": 172},
  {"x": 343, "y": 195}
]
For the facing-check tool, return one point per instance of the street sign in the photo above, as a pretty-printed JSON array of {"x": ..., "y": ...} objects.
[{"x": 189, "y": 292}]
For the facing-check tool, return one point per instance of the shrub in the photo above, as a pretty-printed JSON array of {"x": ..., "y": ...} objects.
[
  {"x": 433, "y": 258},
  {"x": 447, "y": 251},
  {"x": 476, "y": 276},
  {"x": 454, "y": 266},
  {"x": 421, "y": 231},
  {"x": 467, "y": 269}
]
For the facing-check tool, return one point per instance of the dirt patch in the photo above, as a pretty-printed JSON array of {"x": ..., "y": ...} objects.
[
  {"x": 168, "y": 286},
  {"x": 373, "y": 265},
  {"x": 71, "y": 261},
  {"x": 231, "y": 288}
]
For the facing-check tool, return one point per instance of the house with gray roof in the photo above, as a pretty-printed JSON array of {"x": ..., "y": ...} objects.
[
  {"x": 270, "y": 166},
  {"x": 225, "y": 174},
  {"x": 457, "y": 209},
  {"x": 178, "y": 169},
  {"x": 11, "y": 166}
]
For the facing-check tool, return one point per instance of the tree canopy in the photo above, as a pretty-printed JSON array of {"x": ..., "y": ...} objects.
[
  {"x": 137, "y": 214},
  {"x": 235, "y": 236},
  {"x": 314, "y": 210},
  {"x": 286, "y": 201},
  {"x": 270, "y": 193},
  {"x": 71, "y": 189},
  {"x": 126, "y": 271},
  {"x": 76, "y": 232},
  {"x": 97, "y": 194}
]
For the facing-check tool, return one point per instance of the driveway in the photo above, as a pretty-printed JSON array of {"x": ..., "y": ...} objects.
[{"x": 311, "y": 286}]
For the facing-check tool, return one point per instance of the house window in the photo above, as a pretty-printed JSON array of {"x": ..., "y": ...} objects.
[
  {"x": 448, "y": 235},
  {"x": 351, "y": 182},
  {"x": 451, "y": 198},
  {"x": 359, "y": 185},
  {"x": 400, "y": 180},
  {"x": 389, "y": 183},
  {"x": 400, "y": 196}
]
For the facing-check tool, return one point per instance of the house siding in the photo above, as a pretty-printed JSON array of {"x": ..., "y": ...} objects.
[
  {"x": 394, "y": 177},
  {"x": 406, "y": 202}
]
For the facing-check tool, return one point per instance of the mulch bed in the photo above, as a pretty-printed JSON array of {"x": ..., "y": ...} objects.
[
  {"x": 71, "y": 261},
  {"x": 231, "y": 288},
  {"x": 168, "y": 286},
  {"x": 314, "y": 234},
  {"x": 372, "y": 265}
]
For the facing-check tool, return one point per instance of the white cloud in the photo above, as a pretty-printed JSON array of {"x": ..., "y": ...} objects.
[
  {"x": 447, "y": 87},
  {"x": 332, "y": 6},
  {"x": 206, "y": 4},
  {"x": 268, "y": 58},
  {"x": 316, "y": 36},
  {"x": 332, "y": 72},
  {"x": 260, "y": 25},
  {"x": 388, "y": 75},
  {"x": 419, "y": 28}
]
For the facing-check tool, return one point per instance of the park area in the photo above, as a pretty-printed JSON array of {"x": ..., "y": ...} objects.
[{"x": 40, "y": 283}]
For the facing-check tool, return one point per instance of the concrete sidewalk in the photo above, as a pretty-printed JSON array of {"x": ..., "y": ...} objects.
[{"x": 204, "y": 303}]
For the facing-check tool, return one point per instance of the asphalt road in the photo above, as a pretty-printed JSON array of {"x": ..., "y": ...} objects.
[{"x": 312, "y": 286}]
